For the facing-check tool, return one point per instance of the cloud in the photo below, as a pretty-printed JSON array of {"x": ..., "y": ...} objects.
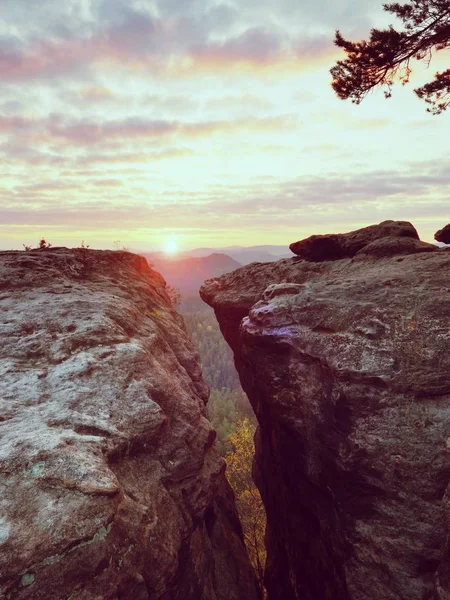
[
  {"x": 137, "y": 40},
  {"x": 107, "y": 183},
  {"x": 96, "y": 94},
  {"x": 89, "y": 132},
  {"x": 82, "y": 133},
  {"x": 254, "y": 46},
  {"x": 247, "y": 101},
  {"x": 12, "y": 151},
  {"x": 47, "y": 186},
  {"x": 368, "y": 196},
  {"x": 202, "y": 114},
  {"x": 14, "y": 124},
  {"x": 119, "y": 158}
]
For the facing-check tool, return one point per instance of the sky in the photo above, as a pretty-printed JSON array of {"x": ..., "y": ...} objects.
[{"x": 149, "y": 123}]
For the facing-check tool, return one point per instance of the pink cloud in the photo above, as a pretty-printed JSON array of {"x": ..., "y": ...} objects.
[
  {"x": 87, "y": 132},
  {"x": 281, "y": 202},
  {"x": 254, "y": 46},
  {"x": 144, "y": 43},
  {"x": 47, "y": 59},
  {"x": 97, "y": 94},
  {"x": 14, "y": 124},
  {"x": 107, "y": 183},
  {"x": 132, "y": 157}
]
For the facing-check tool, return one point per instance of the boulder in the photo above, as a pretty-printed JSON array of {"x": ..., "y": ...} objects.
[
  {"x": 394, "y": 246},
  {"x": 443, "y": 235},
  {"x": 347, "y": 366},
  {"x": 110, "y": 486},
  {"x": 346, "y": 245}
]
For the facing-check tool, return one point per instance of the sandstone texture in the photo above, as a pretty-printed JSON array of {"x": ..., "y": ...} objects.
[
  {"x": 110, "y": 487},
  {"x": 346, "y": 362}
]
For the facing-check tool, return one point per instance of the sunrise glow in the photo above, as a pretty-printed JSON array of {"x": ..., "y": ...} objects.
[
  {"x": 128, "y": 120},
  {"x": 171, "y": 246}
]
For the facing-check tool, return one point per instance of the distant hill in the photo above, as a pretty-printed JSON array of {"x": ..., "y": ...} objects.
[
  {"x": 187, "y": 273},
  {"x": 245, "y": 255}
]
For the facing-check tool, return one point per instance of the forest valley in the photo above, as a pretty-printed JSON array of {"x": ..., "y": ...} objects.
[{"x": 232, "y": 417}]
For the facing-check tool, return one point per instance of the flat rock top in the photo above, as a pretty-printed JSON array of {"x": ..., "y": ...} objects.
[
  {"x": 374, "y": 303},
  {"x": 391, "y": 245},
  {"x": 96, "y": 370}
]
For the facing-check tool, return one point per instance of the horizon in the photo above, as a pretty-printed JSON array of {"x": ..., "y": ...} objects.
[
  {"x": 206, "y": 122},
  {"x": 180, "y": 251},
  {"x": 169, "y": 254},
  {"x": 187, "y": 252}
]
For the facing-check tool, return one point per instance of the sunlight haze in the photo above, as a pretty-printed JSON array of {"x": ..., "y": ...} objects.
[
  {"x": 171, "y": 246},
  {"x": 212, "y": 122}
]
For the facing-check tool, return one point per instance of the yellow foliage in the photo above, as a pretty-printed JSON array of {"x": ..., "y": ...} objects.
[{"x": 248, "y": 501}]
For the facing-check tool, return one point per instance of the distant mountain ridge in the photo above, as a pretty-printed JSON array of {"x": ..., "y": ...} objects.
[
  {"x": 245, "y": 254},
  {"x": 187, "y": 273}
]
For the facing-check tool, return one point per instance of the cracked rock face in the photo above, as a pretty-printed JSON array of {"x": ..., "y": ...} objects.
[
  {"x": 109, "y": 483},
  {"x": 347, "y": 365}
]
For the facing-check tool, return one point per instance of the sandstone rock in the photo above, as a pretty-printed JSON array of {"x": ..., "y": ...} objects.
[
  {"x": 443, "y": 235},
  {"x": 395, "y": 246},
  {"x": 347, "y": 366},
  {"x": 346, "y": 245},
  {"x": 109, "y": 483}
]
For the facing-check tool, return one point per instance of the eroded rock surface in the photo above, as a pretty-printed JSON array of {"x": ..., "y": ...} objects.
[
  {"x": 389, "y": 238},
  {"x": 109, "y": 483},
  {"x": 347, "y": 365}
]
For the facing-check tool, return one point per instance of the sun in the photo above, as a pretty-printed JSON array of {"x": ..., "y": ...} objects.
[{"x": 171, "y": 246}]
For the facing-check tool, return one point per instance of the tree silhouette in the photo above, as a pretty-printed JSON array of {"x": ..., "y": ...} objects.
[
  {"x": 387, "y": 55},
  {"x": 44, "y": 244}
]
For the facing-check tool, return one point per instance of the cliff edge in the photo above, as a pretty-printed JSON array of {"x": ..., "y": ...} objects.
[
  {"x": 344, "y": 352},
  {"x": 109, "y": 483}
]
